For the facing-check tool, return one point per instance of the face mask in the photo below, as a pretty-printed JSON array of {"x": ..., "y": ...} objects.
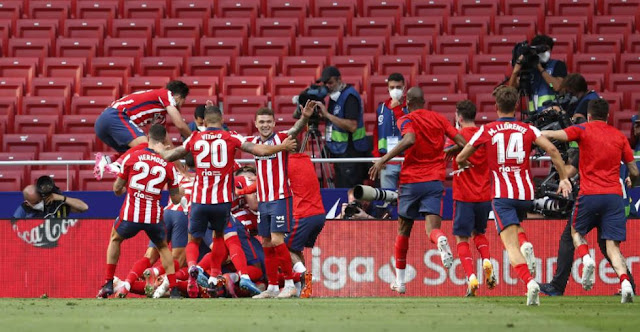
[
  {"x": 573, "y": 100},
  {"x": 202, "y": 128},
  {"x": 39, "y": 206},
  {"x": 544, "y": 57},
  {"x": 396, "y": 94},
  {"x": 335, "y": 95}
]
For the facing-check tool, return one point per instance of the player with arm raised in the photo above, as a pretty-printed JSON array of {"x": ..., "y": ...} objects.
[
  {"x": 421, "y": 177},
  {"x": 508, "y": 144},
  {"x": 143, "y": 175}
]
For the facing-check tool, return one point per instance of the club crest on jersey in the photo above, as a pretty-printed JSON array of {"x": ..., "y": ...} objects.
[{"x": 45, "y": 233}]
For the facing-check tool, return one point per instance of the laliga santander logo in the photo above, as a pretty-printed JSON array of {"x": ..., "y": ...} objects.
[{"x": 43, "y": 235}]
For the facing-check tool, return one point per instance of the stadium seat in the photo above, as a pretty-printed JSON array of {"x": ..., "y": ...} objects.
[
  {"x": 141, "y": 83},
  {"x": 317, "y": 46},
  {"x": 303, "y": 66},
  {"x": 486, "y": 8},
  {"x": 286, "y": 9},
  {"x": 325, "y": 27},
  {"x": 614, "y": 99},
  {"x": 101, "y": 86},
  {"x": 612, "y": 25},
  {"x": 29, "y": 48},
  {"x": 58, "y": 10},
  {"x": 570, "y": 25},
  {"x": 24, "y": 142},
  {"x": 421, "y": 26},
  {"x": 432, "y": 8},
  {"x": 356, "y": 65},
  {"x": 133, "y": 28},
  {"x": 266, "y": 66},
  {"x": 629, "y": 63},
  {"x": 501, "y": 44},
  {"x": 632, "y": 43},
  {"x": 193, "y": 9},
  {"x": 64, "y": 179},
  {"x": 5, "y": 31},
  {"x": 221, "y": 46},
  {"x": 236, "y": 27},
  {"x": 237, "y": 8},
  {"x": 290, "y": 85},
  {"x": 10, "y": 156},
  {"x": 364, "y": 45},
  {"x": 451, "y": 45},
  {"x": 87, "y": 181},
  {"x": 283, "y": 105},
  {"x": 402, "y": 45},
  {"x": 625, "y": 83},
  {"x": 38, "y": 106},
  {"x": 170, "y": 66},
  {"x": 594, "y": 63},
  {"x": 181, "y": 28},
  {"x": 11, "y": 179},
  {"x": 443, "y": 103},
  {"x": 269, "y": 46},
  {"x": 408, "y": 65},
  {"x": 574, "y": 8},
  {"x": 73, "y": 142},
  {"x": 150, "y": 9},
  {"x": 378, "y": 91},
  {"x": 446, "y": 64},
  {"x": 97, "y": 9},
  {"x": 564, "y": 44},
  {"x": 79, "y": 123},
  {"x": 208, "y": 66},
  {"x": 491, "y": 64},
  {"x": 234, "y": 104},
  {"x": 244, "y": 86},
  {"x": 27, "y": 124},
  {"x": 474, "y": 84},
  {"x": 89, "y": 105},
  {"x": 277, "y": 27},
  {"x": 189, "y": 106},
  {"x": 8, "y": 109},
  {"x": 434, "y": 84},
  {"x": 619, "y": 7},
  {"x": 601, "y": 43},
  {"x": 25, "y": 68},
  {"x": 11, "y": 11},
  {"x": 125, "y": 47},
  {"x": 112, "y": 67},
  {"x": 53, "y": 86},
  {"x": 374, "y": 26},
  {"x": 595, "y": 81},
  {"x": 622, "y": 120},
  {"x": 200, "y": 85},
  {"x": 42, "y": 28},
  {"x": 87, "y": 28},
  {"x": 510, "y": 25},
  {"x": 60, "y": 156},
  {"x": 13, "y": 87},
  {"x": 76, "y": 47},
  {"x": 333, "y": 8},
  {"x": 634, "y": 100},
  {"x": 468, "y": 26},
  {"x": 180, "y": 47},
  {"x": 383, "y": 8},
  {"x": 241, "y": 122},
  {"x": 485, "y": 103},
  {"x": 526, "y": 8}
]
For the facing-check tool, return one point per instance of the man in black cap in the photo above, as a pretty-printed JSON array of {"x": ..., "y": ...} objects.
[{"x": 345, "y": 133}]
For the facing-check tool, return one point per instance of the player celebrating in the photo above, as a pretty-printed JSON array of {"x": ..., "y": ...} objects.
[
  {"x": 472, "y": 203},
  {"x": 119, "y": 125},
  {"x": 599, "y": 202},
  {"x": 214, "y": 150},
  {"x": 144, "y": 173},
  {"x": 508, "y": 143},
  {"x": 421, "y": 178}
]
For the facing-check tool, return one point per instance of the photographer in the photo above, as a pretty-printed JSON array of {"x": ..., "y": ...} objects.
[
  {"x": 544, "y": 76},
  {"x": 345, "y": 133},
  {"x": 574, "y": 86},
  {"x": 386, "y": 134},
  {"x": 45, "y": 200},
  {"x": 356, "y": 209}
]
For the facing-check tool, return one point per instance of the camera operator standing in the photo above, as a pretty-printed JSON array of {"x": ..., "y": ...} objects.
[
  {"x": 45, "y": 200},
  {"x": 345, "y": 133},
  {"x": 545, "y": 74},
  {"x": 575, "y": 87},
  {"x": 386, "y": 134}
]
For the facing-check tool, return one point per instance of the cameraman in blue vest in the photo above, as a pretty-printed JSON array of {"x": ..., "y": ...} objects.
[
  {"x": 574, "y": 86},
  {"x": 386, "y": 134},
  {"x": 546, "y": 78},
  {"x": 345, "y": 134}
]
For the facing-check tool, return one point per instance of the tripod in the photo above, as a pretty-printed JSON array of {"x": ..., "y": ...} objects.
[{"x": 313, "y": 138}]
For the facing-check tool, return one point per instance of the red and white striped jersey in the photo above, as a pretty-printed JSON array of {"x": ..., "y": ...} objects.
[
  {"x": 214, "y": 152},
  {"x": 146, "y": 174},
  {"x": 186, "y": 183},
  {"x": 144, "y": 107},
  {"x": 239, "y": 208},
  {"x": 508, "y": 144},
  {"x": 273, "y": 170}
]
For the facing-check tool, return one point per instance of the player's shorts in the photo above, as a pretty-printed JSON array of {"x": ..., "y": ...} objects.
[
  {"x": 417, "y": 199},
  {"x": 252, "y": 250},
  {"x": 129, "y": 229},
  {"x": 205, "y": 244},
  {"x": 176, "y": 223},
  {"x": 469, "y": 217},
  {"x": 305, "y": 232},
  {"x": 116, "y": 129},
  {"x": 509, "y": 212},
  {"x": 604, "y": 211},
  {"x": 203, "y": 216},
  {"x": 275, "y": 217}
]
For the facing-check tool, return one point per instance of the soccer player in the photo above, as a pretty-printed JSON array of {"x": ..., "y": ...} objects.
[
  {"x": 472, "y": 203},
  {"x": 144, "y": 174},
  {"x": 599, "y": 202},
  {"x": 421, "y": 177},
  {"x": 275, "y": 202},
  {"x": 508, "y": 144},
  {"x": 214, "y": 150},
  {"x": 119, "y": 124}
]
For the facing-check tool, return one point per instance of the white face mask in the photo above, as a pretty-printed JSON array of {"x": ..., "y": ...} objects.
[
  {"x": 544, "y": 57},
  {"x": 39, "y": 206},
  {"x": 202, "y": 128},
  {"x": 335, "y": 95},
  {"x": 396, "y": 94}
]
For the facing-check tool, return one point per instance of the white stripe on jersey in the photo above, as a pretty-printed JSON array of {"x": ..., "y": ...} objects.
[
  {"x": 277, "y": 141},
  {"x": 475, "y": 136},
  {"x": 535, "y": 130},
  {"x": 159, "y": 210},
  {"x": 270, "y": 179},
  {"x": 214, "y": 189},
  {"x": 225, "y": 191},
  {"x": 136, "y": 209},
  {"x": 521, "y": 193},
  {"x": 126, "y": 203},
  {"x": 529, "y": 183},
  {"x": 147, "y": 212},
  {"x": 149, "y": 111},
  {"x": 509, "y": 187},
  {"x": 261, "y": 183},
  {"x": 496, "y": 182},
  {"x": 205, "y": 185}
]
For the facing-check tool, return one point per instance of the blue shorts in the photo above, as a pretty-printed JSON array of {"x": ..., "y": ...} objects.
[
  {"x": 116, "y": 129},
  {"x": 252, "y": 249},
  {"x": 212, "y": 216},
  {"x": 470, "y": 217},
  {"x": 128, "y": 229},
  {"x": 305, "y": 232},
  {"x": 176, "y": 223},
  {"x": 418, "y": 199},
  {"x": 604, "y": 211},
  {"x": 509, "y": 212},
  {"x": 205, "y": 244},
  {"x": 275, "y": 217}
]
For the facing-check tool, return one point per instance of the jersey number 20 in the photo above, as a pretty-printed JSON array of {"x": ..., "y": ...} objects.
[
  {"x": 218, "y": 151},
  {"x": 514, "y": 150}
]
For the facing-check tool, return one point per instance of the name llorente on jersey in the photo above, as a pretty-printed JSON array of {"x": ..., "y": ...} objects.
[
  {"x": 507, "y": 126},
  {"x": 150, "y": 157}
]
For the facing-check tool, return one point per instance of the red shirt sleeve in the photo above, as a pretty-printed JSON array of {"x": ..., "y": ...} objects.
[
  {"x": 449, "y": 130},
  {"x": 627, "y": 153},
  {"x": 574, "y": 133},
  {"x": 126, "y": 168},
  {"x": 188, "y": 143},
  {"x": 479, "y": 138},
  {"x": 405, "y": 126}
]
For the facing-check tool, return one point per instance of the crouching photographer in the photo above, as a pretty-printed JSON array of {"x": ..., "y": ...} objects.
[
  {"x": 45, "y": 200},
  {"x": 360, "y": 203}
]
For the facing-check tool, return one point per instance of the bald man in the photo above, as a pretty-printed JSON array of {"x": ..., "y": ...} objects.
[
  {"x": 421, "y": 178},
  {"x": 53, "y": 206}
]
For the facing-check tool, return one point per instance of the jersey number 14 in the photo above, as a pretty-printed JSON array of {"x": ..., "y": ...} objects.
[{"x": 515, "y": 147}]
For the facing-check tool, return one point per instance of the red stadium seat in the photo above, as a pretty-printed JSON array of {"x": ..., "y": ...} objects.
[
  {"x": 244, "y": 86},
  {"x": 266, "y": 66},
  {"x": 317, "y": 46},
  {"x": 170, "y": 66},
  {"x": 13, "y": 87},
  {"x": 446, "y": 64},
  {"x": 277, "y": 27},
  {"x": 53, "y": 86},
  {"x": 243, "y": 104},
  {"x": 582, "y": 8},
  {"x": 34, "y": 28},
  {"x": 73, "y": 142},
  {"x": 11, "y": 11},
  {"x": 208, "y": 65},
  {"x": 421, "y": 26},
  {"x": 5, "y": 31},
  {"x": 242, "y": 122},
  {"x": 180, "y": 28},
  {"x": 612, "y": 25},
  {"x": 468, "y": 26},
  {"x": 286, "y": 9},
  {"x": 283, "y": 105},
  {"x": 25, "y": 68},
  {"x": 269, "y": 46},
  {"x": 38, "y": 106},
  {"x": 77, "y": 47},
  {"x": 133, "y": 28},
  {"x": 378, "y": 91},
  {"x": 622, "y": 120},
  {"x": 230, "y": 27},
  {"x": 79, "y": 123},
  {"x": 443, "y": 103},
  {"x": 451, "y": 45},
  {"x": 375, "y": 26},
  {"x": 180, "y": 47},
  {"x": 64, "y": 179},
  {"x": 58, "y": 10},
  {"x": 632, "y": 43},
  {"x": 228, "y": 46},
  {"x": 125, "y": 47},
  {"x": 151, "y": 9},
  {"x": 36, "y": 124},
  {"x": 510, "y": 25},
  {"x": 96, "y": 9},
  {"x": 140, "y": 83},
  {"x": 434, "y": 84},
  {"x": 400, "y": 45},
  {"x": 629, "y": 63},
  {"x": 236, "y": 8},
  {"x": 303, "y": 66},
  {"x": 594, "y": 63},
  {"x": 325, "y": 27},
  {"x": 383, "y": 8},
  {"x": 356, "y": 65},
  {"x": 190, "y": 104},
  {"x": 11, "y": 179},
  {"x": 8, "y": 109},
  {"x": 112, "y": 67},
  {"x": 432, "y": 8},
  {"x": 564, "y": 44},
  {"x": 60, "y": 156},
  {"x": 625, "y": 83},
  {"x": 369, "y": 45},
  {"x": 290, "y": 85},
  {"x": 200, "y": 85},
  {"x": 479, "y": 83},
  {"x": 634, "y": 100},
  {"x": 485, "y": 103},
  {"x": 557, "y": 25},
  {"x": 486, "y": 8},
  {"x": 29, "y": 48},
  {"x": 491, "y": 64},
  {"x": 101, "y": 86},
  {"x": 24, "y": 142},
  {"x": 614, "y": 99},
  {"x": 407, "y": 65},
  {"x": 501, "y": 44},
  {"x": 193, "y": 9},
  {"x": 86, "y": 28},
  {"x": 11, "y": 156},
  {"x": 595, "y": 81},
  {"x": 89, "y": 105},
  {"x": 601, "y": 44},
  {"x": 333, "y": 8},
  {"x": 88, "y": 182},
  {"x": 619, "y": 7},
  {"x": 525, "y": 8}
]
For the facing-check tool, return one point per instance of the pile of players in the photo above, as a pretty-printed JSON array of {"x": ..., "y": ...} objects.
[{"x": 224, "y": 205}]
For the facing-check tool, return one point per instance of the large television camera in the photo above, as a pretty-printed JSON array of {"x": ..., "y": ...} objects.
[
  {"x": 316, "y": 93},
  {"x": 528, "y": 63},
  {"x": 369, "y": 194}
]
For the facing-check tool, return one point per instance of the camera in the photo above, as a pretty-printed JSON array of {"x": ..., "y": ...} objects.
[
  {"x": 367, "y": 193},
  {"x": 528, "y": 63},
  {"x": 315, "y": 93},
  {"x": 352, "y": 209},
  {"x": 45, "y": 186}
]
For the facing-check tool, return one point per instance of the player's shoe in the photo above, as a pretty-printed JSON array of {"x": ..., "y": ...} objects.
[
  {"x": 248, "y": 286},
  {"x": 122, "y": 292},
  {"x": 229, "y": 285},
  {"x": 162, "y": 289},
  {"x": 527, "y": 251},
  {"x": 100, "y": 166},
  {"x": 288, "y": 292},
  {"x": 203, "y": 278},
  {"x": 106, "y": 290},
  {"x": 489, "y": 276},
  {"x": 588, "y": 272},
  {"x": 400, "y": 288},
  {"x": 267, "y": 294},
  {"x": 472, "y": 286},
  {"x": 307, "y": 288},
  {"x": 626, "y": 292},
  {"x": 445, "y": 252},
  {"x": 150, "y": 279},
  {"x": 533, "y": 293},
  {"x": 192, "y": 284},
  {"x": 550, "y": 290},
  {"x": 175, "y": 293}
]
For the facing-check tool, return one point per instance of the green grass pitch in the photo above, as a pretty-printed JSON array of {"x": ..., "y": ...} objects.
[{"x": 399, "y": 314}]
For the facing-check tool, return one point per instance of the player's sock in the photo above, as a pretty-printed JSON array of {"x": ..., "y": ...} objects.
[
  {"x": 435, "y": 235},
  {"x": 254, "y": 273},
  {"x": 522, "y": 238},
  {"x": 299, "y": 267},
  {"x": 182, "y": 285},
  {"x": 523, "y": 273},
  {"x": 172, "y": 280},
  {"x": 623, "y": 277},
  {"x": 465, "y": 258},
  {"x": 482, "y": 244},
  {"x": 582, "y": 250},
  {"x": 218, "y": 255},
  {"x": 296, "y": 277},
  {"x": 271, "y": 264},
  {"x": 137, "y": 269},
  {"x": 236, "y": 254},
  {"x": 285, "y": 262},
  {"x": 402, "y": 246},
  {"x": 205, "y": 262},
  {"x": 182, "y": 274},
  {"x": 111, "y": 271},
  {"x": 137, "y": 287},
  {"x": 192, "y": 252}
]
